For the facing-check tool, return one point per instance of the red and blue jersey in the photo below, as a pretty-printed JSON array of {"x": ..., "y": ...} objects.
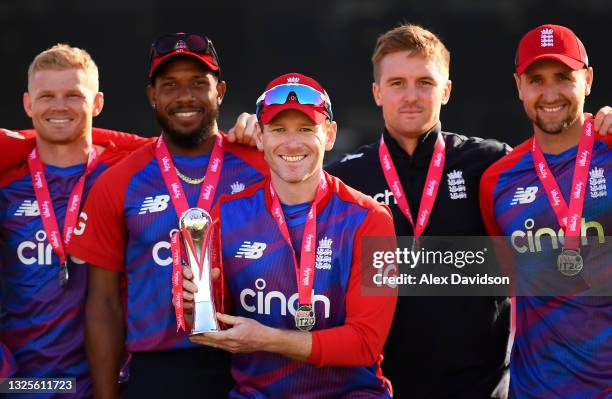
[
  {"x": 7, "y": 361},
  {"x": 130, "y": 217},
  {"x": 42, "y": 323},
  {"x": 350, "y": 329},
  {"x": 563, "y": 345}
]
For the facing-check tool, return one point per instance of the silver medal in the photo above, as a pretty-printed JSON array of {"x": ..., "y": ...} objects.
[
  {"x": 63, "y": 274},
  {"x": 305, "y": 318},
  {"x": 569, "y": 262}
]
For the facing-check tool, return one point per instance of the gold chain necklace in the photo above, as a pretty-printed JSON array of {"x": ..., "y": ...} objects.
[{"x": 187, "y": 179}]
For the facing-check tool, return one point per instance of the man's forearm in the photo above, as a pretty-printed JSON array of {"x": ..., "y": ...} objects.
[
  {"x": 294, "y": 344},
  {"x": 105, "y": 333}
]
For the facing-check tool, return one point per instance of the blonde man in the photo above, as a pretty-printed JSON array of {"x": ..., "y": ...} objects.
[{"x": 43, "y": 288}]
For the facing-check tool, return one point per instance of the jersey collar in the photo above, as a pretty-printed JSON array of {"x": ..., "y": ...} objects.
[{"x": 423, "y": 152}]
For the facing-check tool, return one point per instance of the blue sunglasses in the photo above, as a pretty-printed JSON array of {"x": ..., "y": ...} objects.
[{"x": 304, "y": 95}]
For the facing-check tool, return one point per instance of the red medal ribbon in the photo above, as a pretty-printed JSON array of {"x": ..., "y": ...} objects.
[
  {"x": 47, "y": 214},
  {"x": 304, "y": 271},
  {"x": 177, "y": 280},
  {"x": 569, "y": 218},
  {"x": 179, "y": 201},
  {"x": 432, "y": 183},
  {"x": 209, "y": 185}
]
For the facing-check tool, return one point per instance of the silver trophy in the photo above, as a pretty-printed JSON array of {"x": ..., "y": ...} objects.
[{"x": 196, "y": 232}]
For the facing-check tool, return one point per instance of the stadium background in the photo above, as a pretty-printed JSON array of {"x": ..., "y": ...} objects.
[{"x": 331, "y": 40}]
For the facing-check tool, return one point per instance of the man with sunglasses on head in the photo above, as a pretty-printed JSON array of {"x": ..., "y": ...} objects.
[
  {"x": 302, "y": 328},
  {"x": 132, "y": 214}
]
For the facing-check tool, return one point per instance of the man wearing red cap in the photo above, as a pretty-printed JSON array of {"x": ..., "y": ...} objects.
[
  {"x": 301, "y": 327},
  {"x": 62, "y": 99},
  {"x": 130, "y": 219},
  {"x": 550, "y": 196}
]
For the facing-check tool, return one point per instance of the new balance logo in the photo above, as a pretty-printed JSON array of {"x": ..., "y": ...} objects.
[
  {"x": 28, "y": 208},
  {"x": 524, "y": 195},
  {"x": 348, "y": 157},
  {"x": 251, "y": 250},
  {"x": 154, "y": 204}
]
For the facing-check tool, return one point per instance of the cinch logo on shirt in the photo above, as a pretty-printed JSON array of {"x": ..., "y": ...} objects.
[
  {"x": 154, "y": 204},
  {"x": 161, "y": 247},
  {"x": 384, "y": 198},
  {"x": 28, "y": 208},
  {"x": 524, "y": 195},
  {"x": 531, "y": 241},
  {"x": 39, "y": 252},
  {"x": 262, "y": 304},
  {"x": 81, "y": 223},
  {"x": 251, "y": 250}
]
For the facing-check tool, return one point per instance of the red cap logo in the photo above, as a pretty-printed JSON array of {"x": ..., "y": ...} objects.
[{"x": 554, "y": 42}]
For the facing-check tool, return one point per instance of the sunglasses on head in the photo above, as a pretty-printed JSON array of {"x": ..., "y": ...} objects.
[
  {"x": 192, "y": 42},
  {"x": 303, "y": 94}
]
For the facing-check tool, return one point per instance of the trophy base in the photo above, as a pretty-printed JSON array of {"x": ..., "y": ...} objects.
[{"x": 204, "y": 318}]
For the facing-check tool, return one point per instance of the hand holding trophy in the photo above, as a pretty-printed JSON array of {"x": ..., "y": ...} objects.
[{"x": 196, "y": 233}]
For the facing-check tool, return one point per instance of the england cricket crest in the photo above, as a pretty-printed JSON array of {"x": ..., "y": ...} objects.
[{"x": 323, "y": 258}]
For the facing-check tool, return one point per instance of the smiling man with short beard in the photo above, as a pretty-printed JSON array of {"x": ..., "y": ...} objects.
[
  {"x": 131, "y": 215},
  {"x": 186, "y": 100},
  {"x": 563, "y": 338}
]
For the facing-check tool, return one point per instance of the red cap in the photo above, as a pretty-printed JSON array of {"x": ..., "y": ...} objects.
[
  {"x": 554, "y": 42},
  {"x": 181, "y": 49},
  {"x": 317, "y": 114}
]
